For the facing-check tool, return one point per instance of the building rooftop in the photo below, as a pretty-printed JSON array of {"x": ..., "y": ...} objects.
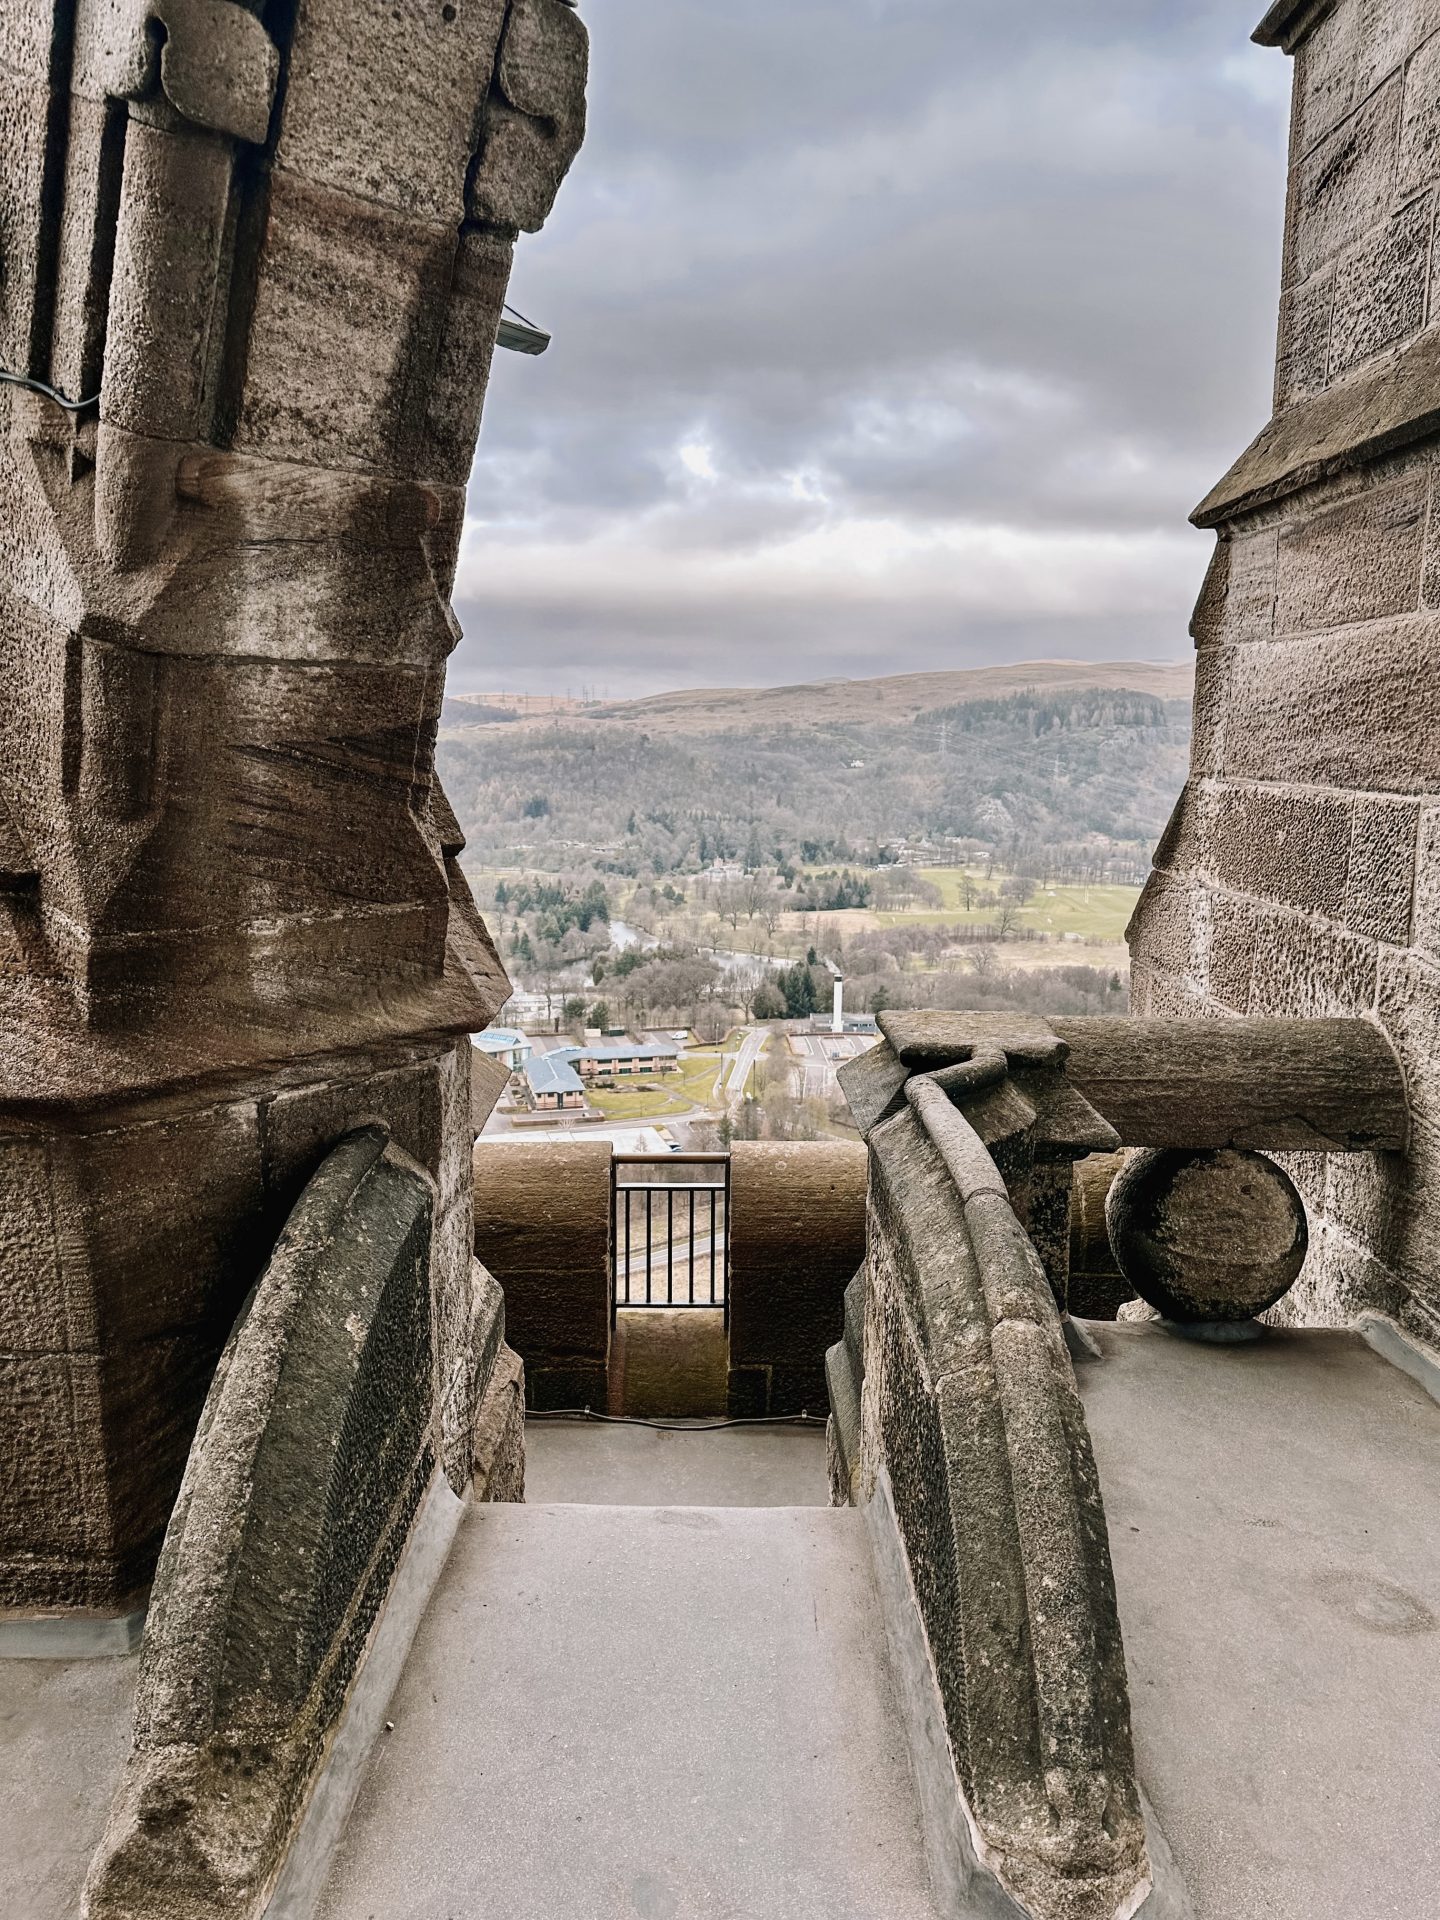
[
  {"x": 1270, "y": 1521},
  {"x": 500, "y": 1039},
  {"x": 552, "y": 1073},
  {"x": 576, "y": 1735}
]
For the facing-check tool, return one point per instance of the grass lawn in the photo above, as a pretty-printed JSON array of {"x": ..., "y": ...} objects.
[
  {"x": 646, "y": 1100},
  {"x": 1093, "y": 912},
  {"x": 1089, "y": 912},
  {"x": 697, "y": 1076},
  {"x": 660, "y": 1096}
]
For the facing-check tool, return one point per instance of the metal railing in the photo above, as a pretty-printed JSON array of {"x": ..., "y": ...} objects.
[{"x": 670, "y": 1216}]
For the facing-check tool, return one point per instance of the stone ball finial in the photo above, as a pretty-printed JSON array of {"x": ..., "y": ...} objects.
[{"x": 1208, "y": 1238}]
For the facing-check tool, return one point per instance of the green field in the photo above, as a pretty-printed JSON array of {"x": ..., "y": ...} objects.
[
  {"x": 1064, "y": 915},
  {"x": 1095, "y": 913},
  {"x": 657, "y": 1097}
]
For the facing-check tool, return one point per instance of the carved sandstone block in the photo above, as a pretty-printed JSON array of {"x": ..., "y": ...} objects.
[
  {"x": 1343, "y": 187},
  {"x": 1303, "y": 970},
  {"x": 534, "y": 119},
  {"x": 1381, "y": 287},
  {"x": 1419, "y": 160},
  {"x": 1286, "y": 846},
  {"x": 25, "y": 106},
  {"x": 797, "y": 1236},
  {"x": 349, "y": 308},
  {"x": 542, "y": 1228},
  {"x": 1304, "y": 707},
  {"x": 382, "y": 102},
  {"x": 1358, "y": 559},
  {"x": 1383, "y": 840},
  {"x": 1303, "y": 362}
]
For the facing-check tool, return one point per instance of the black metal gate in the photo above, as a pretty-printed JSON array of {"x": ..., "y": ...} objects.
[{"x": 670, "y": 1230}]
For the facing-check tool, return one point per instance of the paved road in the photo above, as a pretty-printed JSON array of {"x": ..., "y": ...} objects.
[{"x": 751, "y": 1047}]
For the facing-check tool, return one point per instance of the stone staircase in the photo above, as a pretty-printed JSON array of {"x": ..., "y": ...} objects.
[{"x": 656, "y": 1711}]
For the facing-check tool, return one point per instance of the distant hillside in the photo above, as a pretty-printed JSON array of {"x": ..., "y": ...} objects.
[
  {"x": 896, "y": 697},
  {"x": 1074, "y": 763}
]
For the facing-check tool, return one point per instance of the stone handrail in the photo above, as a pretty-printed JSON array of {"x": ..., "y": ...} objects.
[
  {"x": 972, "y": 1417},
  {"x": 319, "y": 1442},
  {"x": 954, "y": 1398}
]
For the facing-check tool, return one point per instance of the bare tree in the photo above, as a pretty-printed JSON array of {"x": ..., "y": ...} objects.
[{"x": 731, "y": 899}]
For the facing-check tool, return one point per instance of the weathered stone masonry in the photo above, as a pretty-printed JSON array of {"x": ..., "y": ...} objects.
[
  {"x": 1300, "y": 874},
  {"x": 274, "y": 240}
]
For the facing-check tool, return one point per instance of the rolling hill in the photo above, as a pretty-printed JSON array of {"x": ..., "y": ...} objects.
[
  {"x": 1069, "y": 764},
  {"x": 893, "y": 697}
]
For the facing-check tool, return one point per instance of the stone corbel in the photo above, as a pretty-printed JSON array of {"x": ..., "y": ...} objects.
[
  {"x": 534, "y": 119},
  {"x": 1200, "y": 1086},
  {"x": 1012, "y": 1089},
  {"x": 212, "y": 60}
]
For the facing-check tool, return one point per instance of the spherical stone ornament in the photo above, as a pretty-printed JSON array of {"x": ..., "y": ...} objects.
[{"x": 1213, "y": 1236}]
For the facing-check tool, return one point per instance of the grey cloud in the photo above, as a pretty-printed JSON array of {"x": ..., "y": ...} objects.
[
  {"x": 1038, "y": 245},
  {"x": 624, "y": 650}
]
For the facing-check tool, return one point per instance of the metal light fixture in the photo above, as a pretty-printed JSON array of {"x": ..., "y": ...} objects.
[{"x": 519, "y": 334}]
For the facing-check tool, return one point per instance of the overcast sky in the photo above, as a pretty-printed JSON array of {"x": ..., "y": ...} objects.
[{"x": 889, "y": 335}]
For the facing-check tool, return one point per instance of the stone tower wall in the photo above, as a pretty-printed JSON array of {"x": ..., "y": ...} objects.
[
  {"x": 1300, "y": 873},
  {"x": 252, "y": 265}
]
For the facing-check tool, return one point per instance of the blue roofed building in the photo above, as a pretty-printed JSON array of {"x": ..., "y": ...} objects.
[
  {"x": 552, "y": 1083},
  {"x": 505, "y": 1044}
]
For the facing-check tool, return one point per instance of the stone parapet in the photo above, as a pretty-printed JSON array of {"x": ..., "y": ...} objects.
[
  {"x": 320, "y": 1436},
  {"x": 543, "y": 1229},
  {"x": 797, "y": 1236},
  {"x": 971, "y": 1426}
]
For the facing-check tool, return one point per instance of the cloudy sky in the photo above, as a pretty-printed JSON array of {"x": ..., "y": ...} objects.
[{"x": 889, "y": 335}]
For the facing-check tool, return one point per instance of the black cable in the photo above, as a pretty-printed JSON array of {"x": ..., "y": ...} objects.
[
  {"x": 675, "y": 1426},
  {"x": 9, "y": 379},
  {"x": 49, "y": 393}
]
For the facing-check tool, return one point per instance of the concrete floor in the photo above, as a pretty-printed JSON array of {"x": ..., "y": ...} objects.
[
  {"x": 588, "y": 1464},
  {"x": 671, "y": 1698},
  {"x": 618, "y": 1713},
  {"x": 64, "y": 1737},
  {"x": 1274, "y": 1517}
]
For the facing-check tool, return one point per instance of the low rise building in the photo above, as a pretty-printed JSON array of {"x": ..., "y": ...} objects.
[
  {"x": 505, "y": 1044},
  {"x": 552, "y": 1084},
  {"x": 622, "y": 1059}
]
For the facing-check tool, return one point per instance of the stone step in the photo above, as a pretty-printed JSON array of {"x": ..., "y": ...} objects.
[{"x": 662, "y": 1712}]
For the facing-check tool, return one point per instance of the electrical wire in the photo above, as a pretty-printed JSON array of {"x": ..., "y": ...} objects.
[
  {"x": 676, "y": 1426},
  {"x": 53, "y": 394},
  {"x": 9, "y": 379}
]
